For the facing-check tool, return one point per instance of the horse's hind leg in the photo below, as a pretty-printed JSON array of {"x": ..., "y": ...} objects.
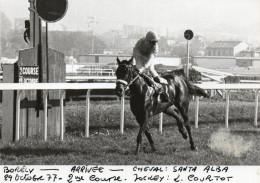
[
  {"x": 175, "y": 113},
  {"x": 187, "y": 126}
]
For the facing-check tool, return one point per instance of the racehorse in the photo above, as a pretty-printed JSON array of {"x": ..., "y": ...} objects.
[{"x": 145, "y": 103}]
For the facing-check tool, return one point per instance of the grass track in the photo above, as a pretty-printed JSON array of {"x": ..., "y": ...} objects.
[{"x": 238, "y": 145}]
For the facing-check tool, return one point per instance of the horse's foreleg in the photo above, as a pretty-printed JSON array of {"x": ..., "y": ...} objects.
[
  {"x": 142, "y": 120},
  {"x": 139, "y": 141},
  {"x": 149, "y": 137},
  {"x": 175, "y": 113}
]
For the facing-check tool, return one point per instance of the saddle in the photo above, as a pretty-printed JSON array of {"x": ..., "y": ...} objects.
[{"x": 161, "y": 90}]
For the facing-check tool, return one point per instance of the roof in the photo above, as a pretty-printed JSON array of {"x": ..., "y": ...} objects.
[{"x": 224, "y": 44}]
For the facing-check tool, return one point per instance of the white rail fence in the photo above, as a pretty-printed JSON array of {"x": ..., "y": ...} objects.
[{"x": 20, "y": 87}]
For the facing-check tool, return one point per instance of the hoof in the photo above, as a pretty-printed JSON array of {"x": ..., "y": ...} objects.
[
  {"x": 184, "y": 135},
  {"x": 174, "y": 149},
  {"x": 194, "y": 148},
  {"x": 154, "y": 149}
]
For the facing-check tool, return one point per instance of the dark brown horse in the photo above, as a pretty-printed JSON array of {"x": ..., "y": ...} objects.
[{"x": 145, "y": 103}]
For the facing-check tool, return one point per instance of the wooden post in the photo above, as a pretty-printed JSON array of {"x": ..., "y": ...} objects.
[
  {"x": 256, "y": 107},
  {"x": 18, "y": 104},
  {"x": 45, "y": 98},
  {"x": 227, "y": 108},
  {"x": 122, "y": 116},
  {"x": 35, "y": 25},
  {"x": 96, "y": 59},
  {"x": 160, "y": 122},
  {"x": 9, "y": 97},
  {"x": 197, "y": 112},
  {"x": 61, "y": 115},
  {"x": 87, "y": 113}
]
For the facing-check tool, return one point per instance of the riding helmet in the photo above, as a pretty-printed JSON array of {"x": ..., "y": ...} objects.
[{"x": 152, "y": 36}]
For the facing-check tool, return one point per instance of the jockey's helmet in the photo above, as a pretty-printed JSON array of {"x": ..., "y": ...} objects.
[{"x": 152, "y": 36}]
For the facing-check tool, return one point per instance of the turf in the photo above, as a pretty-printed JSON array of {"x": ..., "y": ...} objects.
[{"x": 237, "y": 145}]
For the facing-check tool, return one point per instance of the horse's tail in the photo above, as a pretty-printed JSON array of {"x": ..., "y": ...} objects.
[{"x": 194, "y": 90}]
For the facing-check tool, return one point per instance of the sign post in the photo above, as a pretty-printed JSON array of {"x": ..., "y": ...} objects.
[
  {"x": 188, "y": 34},
  {"x": 50, "y": 11},
  {"x": 28, "y": 74},
  {"x": 35, "y": 66}
]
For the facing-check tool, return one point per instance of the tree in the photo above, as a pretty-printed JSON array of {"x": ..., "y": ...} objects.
[
  {"x": 11, "y": 44},
  {"x": 74, "y": 43},
  {"x": 179, "y": 50}
]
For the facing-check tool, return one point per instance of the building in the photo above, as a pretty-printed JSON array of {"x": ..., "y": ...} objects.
[
  {"x": 225, "y": 48},
  {"x": 248, "y": 62},
  {"x": 226, "y": 62},
  {"x": 197, "y": 46},
  {"x": 249, "y": 53},
  {"x": 133, "y": 30},
  {"x": 5, "y": 31},
  {"x": 214, "y": 62}
]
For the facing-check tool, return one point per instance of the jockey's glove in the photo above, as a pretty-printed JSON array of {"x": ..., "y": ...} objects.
[
  {"x": 160, "y": 80},
  {"x": 148, "y": 79}
]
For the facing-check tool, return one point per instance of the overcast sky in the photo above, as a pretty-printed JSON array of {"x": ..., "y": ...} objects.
[{"x": 163, "y": 14}]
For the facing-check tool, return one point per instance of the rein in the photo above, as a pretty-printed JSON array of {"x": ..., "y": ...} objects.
[{"x": 126, "y": 83}]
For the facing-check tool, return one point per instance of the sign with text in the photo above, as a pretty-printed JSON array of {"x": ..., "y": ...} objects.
[{"x": 28, "y": 74}]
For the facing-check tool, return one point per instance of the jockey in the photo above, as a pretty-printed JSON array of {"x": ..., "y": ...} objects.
[{"x": 144, "y": 53}]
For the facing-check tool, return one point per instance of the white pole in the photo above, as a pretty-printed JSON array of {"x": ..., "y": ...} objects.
[
  {"x": 122, "y": 116},
  {"x": 45, "y": 98},
  {"x": 160, "y": 122},
  {"x": 197, "y": 112},
  {"x": 256, "y": 107},
  {"x": 227, "y": 108},
  {"x": 87, "y": 113},
  {"x": 61, "y": 115},
  {"x": 188, "y": 61},
  {"x": 0, "y": 34},
  {"x": 17, "y": 128}
]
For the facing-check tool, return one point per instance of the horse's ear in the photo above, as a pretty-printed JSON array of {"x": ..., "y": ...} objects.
[
  {"x": 118, "y": 61},
  {"x": 131, "y": 60}
]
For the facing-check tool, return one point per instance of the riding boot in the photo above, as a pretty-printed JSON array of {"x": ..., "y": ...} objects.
[
  {"x": 159, "y": 90},
  {"x": 164, "y": 97},
  {"x": 155, "y": 83}
]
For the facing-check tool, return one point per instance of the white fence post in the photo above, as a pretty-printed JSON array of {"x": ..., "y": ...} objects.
[
  {"x": 20, "y": 87},
  {"x": 17, "y": 128},
  {"x": 227, "y": 108},
  {"x": 161, "y": 122},
  {"x": 87, "y": 113},
  {"x": 45, "y": 99},
  {"x": 122, "y": 115},
  {"x": 256, "y": 107},
  {"x": 197, "y": 112},
  {"x": 61, "y": 115}
]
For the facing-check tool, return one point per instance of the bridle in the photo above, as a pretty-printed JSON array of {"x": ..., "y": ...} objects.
[{"x": 127, "y": 83}]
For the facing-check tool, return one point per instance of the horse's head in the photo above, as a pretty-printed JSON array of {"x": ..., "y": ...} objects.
[{"x": 124, "y": 74}]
